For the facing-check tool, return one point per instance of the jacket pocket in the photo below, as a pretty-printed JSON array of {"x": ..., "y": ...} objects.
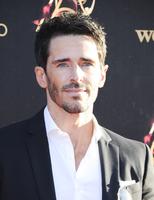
[{"x": 136, "y": 187}]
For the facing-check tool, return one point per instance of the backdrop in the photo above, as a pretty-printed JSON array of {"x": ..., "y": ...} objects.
[{"x": 126, "y": 103}]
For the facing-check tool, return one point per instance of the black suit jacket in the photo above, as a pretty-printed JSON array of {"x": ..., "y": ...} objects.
[{"x": 26, "y": 171}]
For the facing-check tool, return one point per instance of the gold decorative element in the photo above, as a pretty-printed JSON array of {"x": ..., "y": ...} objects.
[
  {"x": 5, "y": 30},
  {"x": 145, "y": 35},
  {"x": 58, "y": 9},
  {"x": 86, "y": 10}
]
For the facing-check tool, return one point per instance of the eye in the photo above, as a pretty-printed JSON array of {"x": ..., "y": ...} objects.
[
  {"x": 87, "y": 64},
  {"x": 62, "y": 65}
]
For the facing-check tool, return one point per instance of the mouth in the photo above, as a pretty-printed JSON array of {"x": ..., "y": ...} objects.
[{"x": 75, "y": 91}]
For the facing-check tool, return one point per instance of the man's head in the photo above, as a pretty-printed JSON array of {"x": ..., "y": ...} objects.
[
  {"x": 70, "y": 52},
  {"x": 68, "y": 24}
]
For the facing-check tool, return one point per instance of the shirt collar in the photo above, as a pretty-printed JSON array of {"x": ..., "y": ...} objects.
[
  {"x": 49, "y": 122},
  {"x": 97, "y": 132},
  {"x": 51, "y": 125}
]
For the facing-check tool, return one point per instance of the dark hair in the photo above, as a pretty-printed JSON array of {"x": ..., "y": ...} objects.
[{"x": 66, "y": 24}]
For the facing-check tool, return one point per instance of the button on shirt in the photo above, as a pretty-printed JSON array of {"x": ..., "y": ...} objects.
[{"x": 71, "y": 184}]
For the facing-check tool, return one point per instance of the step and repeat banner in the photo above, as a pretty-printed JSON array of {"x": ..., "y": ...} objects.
[{"x": 126, "y": 103}]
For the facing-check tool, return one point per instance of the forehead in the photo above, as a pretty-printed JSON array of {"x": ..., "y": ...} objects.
[{"x": 73, "y": 46}]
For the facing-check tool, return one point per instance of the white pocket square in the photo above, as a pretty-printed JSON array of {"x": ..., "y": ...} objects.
[{"x": 123, "y": 193}]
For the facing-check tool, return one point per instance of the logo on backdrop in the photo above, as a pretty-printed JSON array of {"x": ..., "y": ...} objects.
[
  {"x": 145, "y": 35},
  {"x": 3, "y": 30}
]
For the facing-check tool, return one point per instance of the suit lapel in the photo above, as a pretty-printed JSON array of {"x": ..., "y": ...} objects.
[
  {"x": 37, "y": 146},
  {"x": 38, "y": 150},
  {"x": 109, "y": 158}
]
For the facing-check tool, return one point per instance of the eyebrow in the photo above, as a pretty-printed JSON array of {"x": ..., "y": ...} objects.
[
  {"x": 68, "y": 59},
  {"x": 87, "y": 60},
  {"x": 60, "y": 60}
]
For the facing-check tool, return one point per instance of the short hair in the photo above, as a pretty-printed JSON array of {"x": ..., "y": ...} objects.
[{"x": 67, "y": 24}]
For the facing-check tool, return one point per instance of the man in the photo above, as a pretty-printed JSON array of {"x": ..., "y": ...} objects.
[{"x": 62, "y": 153}]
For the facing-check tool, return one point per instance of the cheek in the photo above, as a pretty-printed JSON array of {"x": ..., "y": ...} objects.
[
  {"x": 94, "y": 82},
  {"x": 95, "y": 90},
  {"x": 94, "y": 79},
  {"x": 60, "y": 78},
  {"x": 54, "y": 82}
]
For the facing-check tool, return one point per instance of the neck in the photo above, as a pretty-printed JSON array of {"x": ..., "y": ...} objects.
[{"x": 79, "y": 126}]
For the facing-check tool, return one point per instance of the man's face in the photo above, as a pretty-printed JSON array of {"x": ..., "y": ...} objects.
[{"x": 73, "y": 73}]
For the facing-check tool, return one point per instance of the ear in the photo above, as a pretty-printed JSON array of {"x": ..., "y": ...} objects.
[
  {"x": 41, "y": 76},
  {"x": 103, "y": 75}
]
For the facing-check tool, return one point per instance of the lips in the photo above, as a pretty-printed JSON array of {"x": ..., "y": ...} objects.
[{"x": 75, "y": 90}]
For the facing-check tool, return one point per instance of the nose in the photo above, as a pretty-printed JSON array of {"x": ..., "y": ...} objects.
[{"x": 77, "y": 73}]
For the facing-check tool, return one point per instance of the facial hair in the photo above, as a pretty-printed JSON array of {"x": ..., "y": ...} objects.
[{"x": 70, "y": 107}]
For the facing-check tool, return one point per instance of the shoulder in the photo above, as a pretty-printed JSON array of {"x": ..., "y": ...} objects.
[
  {"x": 131, "y": 153},
  {"x": 18, "y": 129},
  {"x": 13, "y": 134},
  {"x": 119, "y": 140},
  {"x": 128, "y": 147}
]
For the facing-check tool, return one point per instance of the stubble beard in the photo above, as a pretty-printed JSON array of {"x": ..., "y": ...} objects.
[{"x": 72, "y": 108}]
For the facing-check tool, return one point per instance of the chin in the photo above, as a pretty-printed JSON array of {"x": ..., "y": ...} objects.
[{"x": 74, "y": 109}]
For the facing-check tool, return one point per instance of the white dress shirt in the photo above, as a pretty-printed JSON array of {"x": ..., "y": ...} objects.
[{"x": 70, "y": 184}]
